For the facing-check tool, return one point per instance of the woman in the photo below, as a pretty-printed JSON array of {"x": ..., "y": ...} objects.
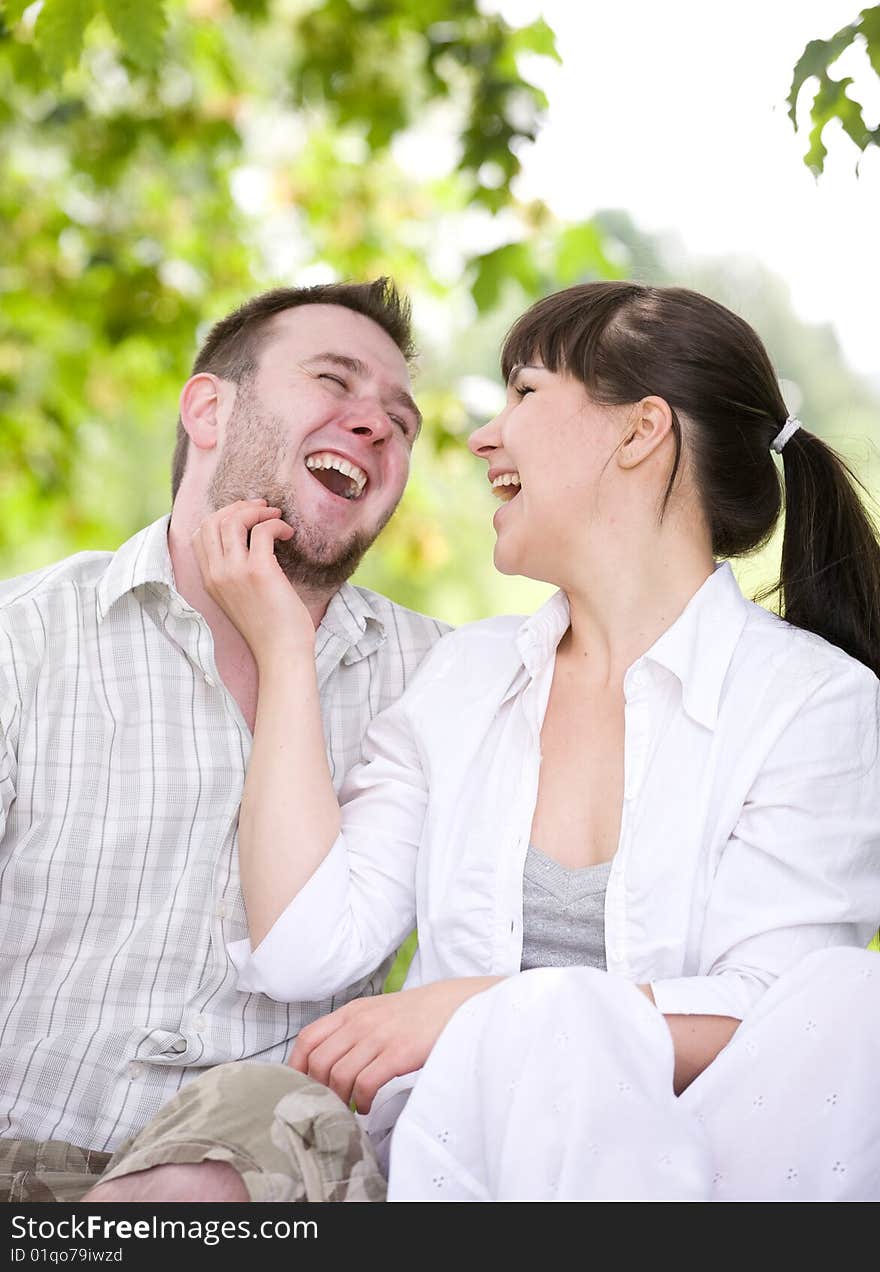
[{"x": 697, "y": 777}]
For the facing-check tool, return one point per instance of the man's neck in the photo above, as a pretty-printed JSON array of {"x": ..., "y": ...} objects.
[{"x": 188, "y": 580}]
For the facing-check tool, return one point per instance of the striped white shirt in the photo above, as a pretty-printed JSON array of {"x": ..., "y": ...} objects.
[{"x": 122, "y": 760}]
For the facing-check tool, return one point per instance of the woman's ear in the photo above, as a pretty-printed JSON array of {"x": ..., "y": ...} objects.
[
  {"x": 647, "y": 428},
  {"x": 199, "y": 402}
]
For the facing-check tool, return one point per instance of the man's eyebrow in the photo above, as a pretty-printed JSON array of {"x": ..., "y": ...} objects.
[{"x": 359, "y": 368}]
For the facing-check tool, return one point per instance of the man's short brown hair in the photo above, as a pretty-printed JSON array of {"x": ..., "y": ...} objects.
[{"x": 233, "y": 344}]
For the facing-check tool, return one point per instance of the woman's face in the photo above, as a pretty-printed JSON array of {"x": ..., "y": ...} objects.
[{"x": 547, "y": 455}]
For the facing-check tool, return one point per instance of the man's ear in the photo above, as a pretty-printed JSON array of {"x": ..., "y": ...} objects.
[
  {"x": 649, "y": 425},
  {"x": 199, "y": 403}
]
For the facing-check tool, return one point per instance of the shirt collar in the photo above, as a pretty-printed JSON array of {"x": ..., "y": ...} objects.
[
  {"x": 539, "y": 635},
  {"x": 351, "y": 619},
  {"x": 699, "y": 645},
  {"x": 697, "y": 648},
  {"x": 145, "y": 559},
  {"x": 142, "y": 559}
]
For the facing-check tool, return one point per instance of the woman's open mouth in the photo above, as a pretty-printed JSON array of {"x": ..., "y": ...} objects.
[
  {"x": 506, "y": 486},
  {"x": 338, "y": 475}
]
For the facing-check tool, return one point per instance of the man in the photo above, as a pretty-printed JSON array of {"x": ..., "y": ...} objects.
[{"x": 127, "y": 704}]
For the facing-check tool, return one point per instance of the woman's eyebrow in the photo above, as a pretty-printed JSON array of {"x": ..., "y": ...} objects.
[
  {"x": 358, "y": 368},
  {"x": 523, "y": 366}
]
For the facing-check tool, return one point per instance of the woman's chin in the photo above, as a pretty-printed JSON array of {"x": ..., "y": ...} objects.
[{"x": 506, "y": 562}]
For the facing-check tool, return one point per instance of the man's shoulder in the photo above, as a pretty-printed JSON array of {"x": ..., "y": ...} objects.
[
  {"x": 83, "y": 569},
  {"x": 400, "y": 620}
]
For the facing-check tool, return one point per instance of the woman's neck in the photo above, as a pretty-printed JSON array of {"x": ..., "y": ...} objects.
[{"x": 620, "y": 608}]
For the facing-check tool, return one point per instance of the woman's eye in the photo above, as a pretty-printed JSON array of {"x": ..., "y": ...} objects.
[{"x": 522, "y": 389}]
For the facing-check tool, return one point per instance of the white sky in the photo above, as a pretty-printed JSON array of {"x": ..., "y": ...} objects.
[{"x": 675, "y": 110}]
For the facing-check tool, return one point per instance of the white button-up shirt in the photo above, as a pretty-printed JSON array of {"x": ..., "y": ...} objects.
[
  {"x": 750, "y": 830},
  {"x": 122, "y": 760}
]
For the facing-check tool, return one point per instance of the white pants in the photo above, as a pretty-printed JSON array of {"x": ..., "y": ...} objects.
[{"x": 557, "y": 1085}]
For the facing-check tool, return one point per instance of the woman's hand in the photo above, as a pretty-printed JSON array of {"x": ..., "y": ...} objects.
[
  {"x": 360, "y": 1047},
  {"x": 235, "y": 549}
]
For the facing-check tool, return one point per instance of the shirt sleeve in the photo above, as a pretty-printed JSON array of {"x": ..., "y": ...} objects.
[
  {"x": 801, "y": 870},
  {"x": 359, "y": 905}
]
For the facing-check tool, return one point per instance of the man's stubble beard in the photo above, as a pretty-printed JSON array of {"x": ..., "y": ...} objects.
[{"x": 254, "y": 452}]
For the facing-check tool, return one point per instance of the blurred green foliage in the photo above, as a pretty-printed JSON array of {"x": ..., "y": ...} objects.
[
  {"x": 161, "y": 160},
  {"x": 831, "y": 99}
]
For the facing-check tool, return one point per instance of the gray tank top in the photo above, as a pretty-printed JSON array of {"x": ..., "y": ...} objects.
[{"x": 563, "y": 913}]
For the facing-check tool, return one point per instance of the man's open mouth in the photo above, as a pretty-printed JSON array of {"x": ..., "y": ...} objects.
[{"x": 338, "y": 475}]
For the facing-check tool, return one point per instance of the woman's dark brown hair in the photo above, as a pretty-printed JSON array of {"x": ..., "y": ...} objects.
[{"x": 625, "y": 341}]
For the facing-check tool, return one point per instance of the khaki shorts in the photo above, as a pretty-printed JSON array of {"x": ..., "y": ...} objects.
[{"x": 289, "y": 1138}]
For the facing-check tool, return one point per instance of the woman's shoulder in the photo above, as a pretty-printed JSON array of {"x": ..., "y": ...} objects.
[
  {"x": 483, "y": 650},
  {"x": 796, "y": 660},
  {"x": 485, "y": 638}
]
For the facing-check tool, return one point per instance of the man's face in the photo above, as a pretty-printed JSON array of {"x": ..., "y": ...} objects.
[{"x": 323, "y": 430}]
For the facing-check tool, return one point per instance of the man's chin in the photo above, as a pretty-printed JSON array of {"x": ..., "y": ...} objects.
[{"x": 316, "y": 571}]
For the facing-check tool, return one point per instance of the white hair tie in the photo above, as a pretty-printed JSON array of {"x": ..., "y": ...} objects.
[{"x": 789, "y": 428}]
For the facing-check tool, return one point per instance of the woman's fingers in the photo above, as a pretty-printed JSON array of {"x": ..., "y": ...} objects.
[
  {"x": 322, "y": 1056},
  {"x": 358, "y": 1048},
  {"x": 263, "y": 538},
  {"x": 221, "y": 541},
  {"x": 346, "y": 1073},
  {"x": 311, "y": 1037},
  {"x": 237, "y": 522},
  {"x": 371, "y": 1077}
]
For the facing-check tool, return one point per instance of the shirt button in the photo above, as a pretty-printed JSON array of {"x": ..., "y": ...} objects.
[
  {"x": 210, "y": 681},
  {"x": 200, "y": 1022},
  {"x": 221, "y": 910},
  {"x": 135, "y": 1069}
]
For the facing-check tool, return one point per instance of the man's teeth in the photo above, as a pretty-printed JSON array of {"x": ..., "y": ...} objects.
[
  {"x": 323, "y": 459},
  {"x": 502, "y": 483}
]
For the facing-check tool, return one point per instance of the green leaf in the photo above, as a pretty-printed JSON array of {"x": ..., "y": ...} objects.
[
  {"x": 494, "y": 269},
  {"x": 869, "y": 25},
  {"x": 140, "y": 26},
  {"x": 815, "y": 60},
  {"x": 831, "y": 103},
  {"x": 59, "y": 31},
  {"x": 580, "y": 253},
  {"x": 538, "y": 38}
]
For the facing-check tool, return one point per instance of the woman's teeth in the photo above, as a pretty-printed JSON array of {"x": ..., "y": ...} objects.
[{"x": 506, "y": 485}]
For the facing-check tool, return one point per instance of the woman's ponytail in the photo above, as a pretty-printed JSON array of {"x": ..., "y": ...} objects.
[{"x": 829, "y": 579}]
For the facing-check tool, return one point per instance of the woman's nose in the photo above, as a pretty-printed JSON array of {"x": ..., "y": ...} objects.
[{"x": 484, "y": 440}]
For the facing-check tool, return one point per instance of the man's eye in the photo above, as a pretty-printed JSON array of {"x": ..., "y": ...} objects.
[
  {"x": 401, "y": 423},
  {"x": 327, "y": 375}
]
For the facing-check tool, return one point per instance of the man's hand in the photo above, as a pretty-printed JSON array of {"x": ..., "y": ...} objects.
[
  {"x": 235, "y": 549},
  {"x": 360, "y": 1047}
]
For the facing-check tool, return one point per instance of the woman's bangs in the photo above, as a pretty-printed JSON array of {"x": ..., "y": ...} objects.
[{"x": 561, "y": 336}]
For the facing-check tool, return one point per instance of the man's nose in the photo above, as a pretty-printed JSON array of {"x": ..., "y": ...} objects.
[{"x": 369, "y": 419}]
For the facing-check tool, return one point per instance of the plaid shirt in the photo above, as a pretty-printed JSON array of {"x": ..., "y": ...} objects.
[{"x": 122, "y": 760}]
